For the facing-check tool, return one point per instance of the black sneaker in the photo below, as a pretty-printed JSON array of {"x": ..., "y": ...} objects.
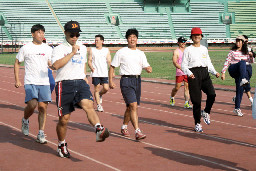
[
  {"x": 63, "y": 151},
  {"x": 101, "y": 133}
]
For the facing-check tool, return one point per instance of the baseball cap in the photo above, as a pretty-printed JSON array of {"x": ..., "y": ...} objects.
[
  {"x": 72, "y": 26},
  {"x": 240, "y": 37},
  {"x": 182, "y": 39},
  {"x": 196, "y": 30}
]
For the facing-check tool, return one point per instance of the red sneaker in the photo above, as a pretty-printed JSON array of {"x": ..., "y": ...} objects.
[
  {"x": 125, "y": 132},
  {"x": 140, "y": 136}
]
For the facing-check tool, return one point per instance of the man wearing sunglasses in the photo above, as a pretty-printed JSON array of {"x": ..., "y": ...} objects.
[
  {"x": 72, "y": 89},
  {"x": 180, "y": 76}
]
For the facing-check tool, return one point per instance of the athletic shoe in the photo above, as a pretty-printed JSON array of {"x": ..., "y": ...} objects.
[
  {"x": 63, "y": 150},
  {"x": 100, "y": 108},
  {"x": 187, "y": 106},
  {"x": 172, "y": 101},
  {"x": 25, "y": 127},
  {"x": 206, "y": 117},
  {"x": 198, "y": 128},
  {"x": 234, "y": 99},
  {"x": 139, "y": 136},
  {"x": 100, "y": 99},
  {"x": 101, "y": 133},
  {"x": 125, "y": 132},
  {"x": 243, "y": 82},
  {"x": 238, "y": 112},
  {"x": 41, "y": 139}
]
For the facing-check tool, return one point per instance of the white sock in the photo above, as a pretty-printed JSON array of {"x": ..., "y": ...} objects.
[
  {"x": 124, "y": 127},
  {"x": 186, "y": 102},
  {"x": 251, "y": 99},
  {"x": 137, "y": 130},
  {"x": 25, "y": 120},
  {"x": 97, "y": 124},
  {"x": 41, "y": 132},
  {"x": 171, "y": 97},
  {"x": 62, "y": 142}
]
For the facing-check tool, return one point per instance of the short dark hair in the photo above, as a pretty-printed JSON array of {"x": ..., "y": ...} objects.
[
  {"x": 100, "y": 36},
  {"x": 132, "y": 31},
  {"x": 37, "y": 27},
  {"x": 246, "y": 37}
]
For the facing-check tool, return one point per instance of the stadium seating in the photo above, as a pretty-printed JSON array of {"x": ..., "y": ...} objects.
[
  {"x": 21, "y": 15},
  {"x": 204, "y": 15},
  {"x": 245, "y": 18}
]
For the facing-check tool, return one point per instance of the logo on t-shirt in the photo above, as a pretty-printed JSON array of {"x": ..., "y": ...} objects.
[{"x": 41, "y": 54}]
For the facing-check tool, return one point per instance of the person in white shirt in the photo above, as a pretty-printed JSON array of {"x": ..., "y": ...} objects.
[
  {"x": 72, "y": 89},
  {"x": 131, "y": 61},
  {"x": 36, "y": 56},
  {"x": 99, "y": 59},
  {"x": 197, "y": 64}
]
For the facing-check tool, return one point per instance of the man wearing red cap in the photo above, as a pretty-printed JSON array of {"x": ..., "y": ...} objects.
[{"x": 197, "y": 64}]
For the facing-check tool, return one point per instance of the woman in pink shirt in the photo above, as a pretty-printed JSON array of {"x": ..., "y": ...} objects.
[{"x": 238, "y": 65}]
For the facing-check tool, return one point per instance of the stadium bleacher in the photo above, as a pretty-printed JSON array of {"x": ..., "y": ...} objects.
[{"x": 154, "y": 21}]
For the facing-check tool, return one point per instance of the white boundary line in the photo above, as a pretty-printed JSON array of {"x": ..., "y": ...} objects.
[{"x": 74, "y": 152}]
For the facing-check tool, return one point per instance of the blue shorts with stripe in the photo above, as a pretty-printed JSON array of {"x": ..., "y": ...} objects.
[
  {"x": 131, "y": 89},
  {"x": 69, "y": 93}
]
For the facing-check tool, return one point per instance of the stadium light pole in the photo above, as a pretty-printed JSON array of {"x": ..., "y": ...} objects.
[{"x": 2, "y": 48}]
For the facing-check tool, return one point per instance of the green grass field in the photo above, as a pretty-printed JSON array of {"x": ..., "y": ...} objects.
[{"x": 161, "y": 63}]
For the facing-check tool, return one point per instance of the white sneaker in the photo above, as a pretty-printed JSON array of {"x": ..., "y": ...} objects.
[
  {"x": 25, "y": 127},
  {"x": 238, "y": 112},
  {"x": 100, "y": 99},
  {"x": 243, "y": 82},
  {"x": 206, "y": 117},
  {"x": 198, "y": 128},
  {"x": 100, "y": 108},
  {"x": 41, "y": 139}
]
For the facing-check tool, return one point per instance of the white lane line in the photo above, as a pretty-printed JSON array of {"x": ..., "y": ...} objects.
[
  {"x": 151, "y": 123},
  {"x": 74, "y": 152}
]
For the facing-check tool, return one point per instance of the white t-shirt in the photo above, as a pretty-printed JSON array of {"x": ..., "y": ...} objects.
[
  {"x": 131, "y": 62},
  {"x": 74, "y": 69},
  {"x": 99, "y": 62},
  {"x": 35, "y": 59},
  {"x": 196, "y": 57}
]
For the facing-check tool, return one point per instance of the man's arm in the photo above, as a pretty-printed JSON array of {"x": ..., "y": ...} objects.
[
  {"x": 110, "y": 77},
  {"x": 16, "y": 73},
  {"x": 90, "y": 59},
  {"x": 175, "y": 58},
  {"x": 63, "y": 61}
]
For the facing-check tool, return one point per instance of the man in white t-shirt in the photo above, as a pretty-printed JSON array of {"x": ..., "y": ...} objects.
[
  {"x": 36, "y": 56},
  {"x": 99, "y": 59},
  {"x": 131, "y": 61},
  {"x": 72, "y": 89}
]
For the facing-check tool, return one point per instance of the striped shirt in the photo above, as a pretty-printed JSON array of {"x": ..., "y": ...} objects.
[{"x": 235, "y": 57}]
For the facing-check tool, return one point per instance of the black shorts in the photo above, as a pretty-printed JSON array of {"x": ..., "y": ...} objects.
[
  {"x": 99, "y": 80},
  {"x": 131, "y": 89},
  {"x": 69, "y": 93}
]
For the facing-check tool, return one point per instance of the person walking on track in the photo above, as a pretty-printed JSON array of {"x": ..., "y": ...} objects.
[
  {"x": 99, "y": 59},
  {"x": 180, "y": 76},
  {"x": 72, "y": 89},
  {"x": 238, "y": 64},
  {"x": 36, "y": 56},
  {"x": 197, "y": 64},
  {"x": 131, "y": 61}
]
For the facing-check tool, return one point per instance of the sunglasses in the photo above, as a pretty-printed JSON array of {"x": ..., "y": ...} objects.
[
  {"x": 183, "y": 41},
  {"x": 74, "y": 35}
]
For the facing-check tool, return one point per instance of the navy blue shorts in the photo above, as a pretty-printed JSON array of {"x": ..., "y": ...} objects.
[
  {"x": 99, "y": 80},
  {"x": 131, "y": 89},
  {"x": 69, "y": 93}
]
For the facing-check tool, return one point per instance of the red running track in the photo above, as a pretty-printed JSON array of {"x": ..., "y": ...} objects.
[{"x": 171, "y": 144}]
